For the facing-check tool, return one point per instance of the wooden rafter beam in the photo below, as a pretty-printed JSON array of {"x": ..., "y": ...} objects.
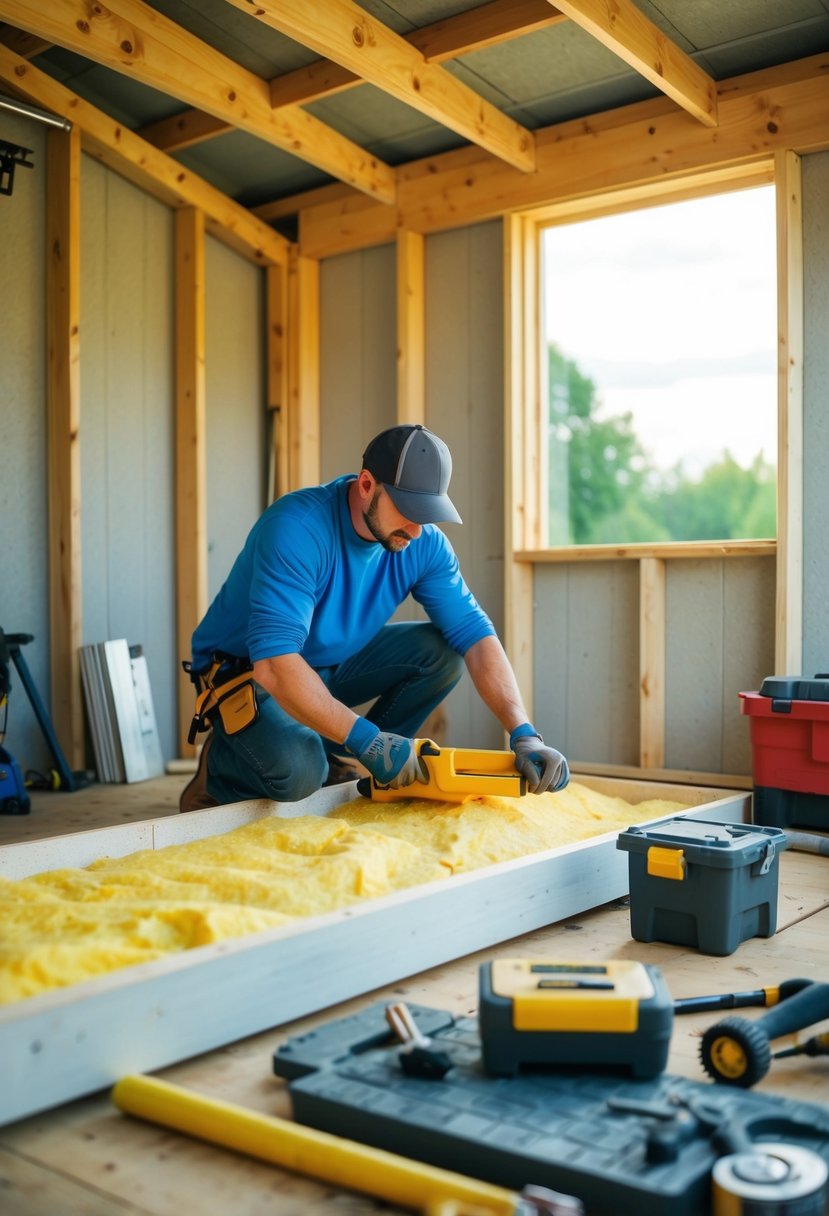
[
  {"x": 345, "y": 33},
  {"x": 624, "y": 29},
  {"x": 498, "y": 21},
  {"x": 477, "y": 28},
  {"x": 124, "y": 152},
  {"x": 184, "y": 130},
  {"x": 131, "y": 38}
]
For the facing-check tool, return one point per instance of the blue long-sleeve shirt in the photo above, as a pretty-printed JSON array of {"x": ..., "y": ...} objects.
[{"x": 306, "y": 583}]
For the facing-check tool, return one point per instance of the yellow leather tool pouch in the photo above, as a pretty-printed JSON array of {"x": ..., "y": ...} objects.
[
  {"x": 232, "y": 696},
  {"x": 238, "y": 708}
]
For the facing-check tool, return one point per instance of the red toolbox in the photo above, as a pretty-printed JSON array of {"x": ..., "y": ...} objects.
[{"x": 789, "y": 724}]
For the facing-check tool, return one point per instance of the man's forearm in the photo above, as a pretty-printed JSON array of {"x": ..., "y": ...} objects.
[
  {"x": 491, "y": 673},
  {"x": 303, "y": 695}
]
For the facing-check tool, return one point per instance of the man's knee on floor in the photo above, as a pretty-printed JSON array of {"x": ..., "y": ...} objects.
[{"x": 302, "y": 772}]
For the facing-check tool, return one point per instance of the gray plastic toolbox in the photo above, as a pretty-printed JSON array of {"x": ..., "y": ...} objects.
[
  {"x": 620, "y": 1015},
  {"x": 702, "y": 884}
]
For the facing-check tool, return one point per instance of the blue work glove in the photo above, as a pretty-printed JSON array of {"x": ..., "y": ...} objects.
[
  {"x": 542, "y": 767},
  {"x": 391, "y": 759}
]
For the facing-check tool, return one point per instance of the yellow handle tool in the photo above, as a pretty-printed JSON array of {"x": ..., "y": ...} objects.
[
  {"x": 356, "y": 1167},
  {"x": 455, "y": 774}
]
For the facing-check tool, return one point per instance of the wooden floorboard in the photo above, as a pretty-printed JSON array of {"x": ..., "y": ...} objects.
[{"x": 55, "y": 813}]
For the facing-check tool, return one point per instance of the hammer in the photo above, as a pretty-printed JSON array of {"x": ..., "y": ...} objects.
[{"x": 418, "y": 1057}]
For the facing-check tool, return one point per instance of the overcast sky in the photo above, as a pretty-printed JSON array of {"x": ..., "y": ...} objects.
[{"x": 672, "y": 312}]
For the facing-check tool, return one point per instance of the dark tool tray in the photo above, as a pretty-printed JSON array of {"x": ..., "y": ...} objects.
[{"x": 551, "y": 1128}]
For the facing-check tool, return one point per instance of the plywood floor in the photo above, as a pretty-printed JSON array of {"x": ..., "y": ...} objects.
[{"x": 55, "y": 813}]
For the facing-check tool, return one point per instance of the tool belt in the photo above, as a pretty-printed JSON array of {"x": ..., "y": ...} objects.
[{"x": 226, "y": 688}]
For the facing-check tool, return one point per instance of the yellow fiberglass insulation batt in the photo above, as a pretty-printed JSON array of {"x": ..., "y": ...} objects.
[{"x": 64, "y": 926}]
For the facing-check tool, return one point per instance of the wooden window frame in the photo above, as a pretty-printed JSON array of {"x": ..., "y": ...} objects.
[{"x": 526, "y": 480}]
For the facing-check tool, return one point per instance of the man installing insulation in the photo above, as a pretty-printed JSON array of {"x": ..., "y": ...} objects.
[{"x": 300, "y": 633}]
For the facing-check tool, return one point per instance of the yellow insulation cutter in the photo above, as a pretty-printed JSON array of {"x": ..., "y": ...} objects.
[{"x": 455, "y": 774}]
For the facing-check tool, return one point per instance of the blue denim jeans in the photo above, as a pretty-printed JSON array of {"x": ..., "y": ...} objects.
[{"x": 407, "y": 667}]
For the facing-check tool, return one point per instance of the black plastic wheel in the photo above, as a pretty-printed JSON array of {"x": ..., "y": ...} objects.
[
  {"x": 15, "y": 806},
  {"x": 735, "y": 1052}
]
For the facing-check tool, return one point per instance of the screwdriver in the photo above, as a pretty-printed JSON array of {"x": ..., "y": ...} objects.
[
  {"x": 741, "y": 1000},
  {"x": 818, "y": 1045}
]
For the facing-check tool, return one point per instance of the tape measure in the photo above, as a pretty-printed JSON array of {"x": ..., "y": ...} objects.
[
  {"x": 774, "y": 1180},
  {"x": 547, "y": 1011}
]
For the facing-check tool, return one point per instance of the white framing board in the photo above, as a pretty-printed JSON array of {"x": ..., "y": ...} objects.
[{"x": 73, "y": 1041}]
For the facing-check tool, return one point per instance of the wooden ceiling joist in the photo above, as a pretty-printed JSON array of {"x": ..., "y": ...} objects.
[
  {"x": 183, "y": 130},
  {"x": 498, "y": 21},
  {"x": 348, "y": 35},
  {"x": 477, "y": 28},
  {"x": 472, "y": 30},
  {"x": 131, "y": 38},
  {"x": 130, "y": 156},
  {"x": 625, "y": 30}
]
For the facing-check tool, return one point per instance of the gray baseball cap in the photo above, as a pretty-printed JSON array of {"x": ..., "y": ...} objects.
[{"x": 414, "y": 466}]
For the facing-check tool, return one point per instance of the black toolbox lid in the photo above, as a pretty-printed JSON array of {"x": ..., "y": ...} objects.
[
  {"x": 796, "y": 688},
  {"x": 718, "y": 844}
]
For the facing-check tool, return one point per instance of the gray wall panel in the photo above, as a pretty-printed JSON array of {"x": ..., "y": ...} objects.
[
  {"x": 694, "y": 665},
  {"x": 816, "y": 414},
  {"x": 235, "y": 404},
  {"x": 465, "y": 406},
  {"x": 127, "y": 402},
  {"x": 586, "y": 642},
  {"x": 358, "y": 338},
  {"x": 720, "y": 642},
  {"x": 23, "y": 502},
  {"x": 748, "y": 629}
]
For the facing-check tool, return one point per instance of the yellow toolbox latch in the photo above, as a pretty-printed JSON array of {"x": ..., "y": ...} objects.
[{"x": 666, "y": 863}]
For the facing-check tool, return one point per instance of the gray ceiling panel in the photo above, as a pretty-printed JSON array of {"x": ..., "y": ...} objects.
[
  {"x": 366, "y": 113},
  {"x": 768, "y": 49},
  {"x": 251, "y": 171},
  {"x": 552, "y": 60},
  {"x": 241, "y": 37},
  {"x": 589, "y": 99},
  {"x": 709, "y": 23},
  {"x": 123, "y": 98}
]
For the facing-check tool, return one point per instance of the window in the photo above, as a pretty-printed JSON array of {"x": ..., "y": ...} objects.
[{"x": 659, "y": 372}]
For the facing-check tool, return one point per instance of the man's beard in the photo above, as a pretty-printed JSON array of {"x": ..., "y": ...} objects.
[{"x": 392, "y": 542}]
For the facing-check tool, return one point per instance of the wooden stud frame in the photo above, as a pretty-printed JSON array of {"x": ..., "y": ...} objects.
[
  {"x": 651, "y": 663},
  {"x": 276, "y": 294},
  {"x": 526, "y": 435},
  {"x": 411, "y": 328},
  {"x": 789, "y": 608},
  {"x": 191, "y": 449},
  {"x": 63, "y": 227},
  {"x": 522, "y": 510},
  {"x": 303, "y": 429}
]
